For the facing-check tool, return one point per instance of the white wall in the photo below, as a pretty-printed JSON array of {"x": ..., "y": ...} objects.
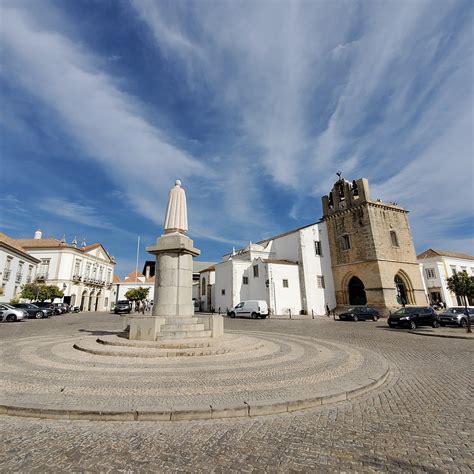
[
  {"x": 11, "y": 280},
  {"x": 314, "y": 266},
  {"x": 443, "y": 268},
  {"x": 280, "y": 299}
]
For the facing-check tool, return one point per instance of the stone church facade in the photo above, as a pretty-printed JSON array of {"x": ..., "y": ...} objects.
[{"x": 373, "y": 258}]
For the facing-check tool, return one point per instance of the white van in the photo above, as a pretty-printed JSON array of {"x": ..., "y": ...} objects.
[{"x": 253, "y": 308}]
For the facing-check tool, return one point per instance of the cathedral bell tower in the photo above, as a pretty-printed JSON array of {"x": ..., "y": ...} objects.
[{"x": 372, "y": 253}]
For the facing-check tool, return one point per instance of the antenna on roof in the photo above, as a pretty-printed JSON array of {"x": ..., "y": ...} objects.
[{"x": 339, "y": 174}]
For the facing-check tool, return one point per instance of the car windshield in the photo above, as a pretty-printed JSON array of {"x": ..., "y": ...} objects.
[
  {"x": 403, "y": 311},
  {"x": 122, "y": 302}
]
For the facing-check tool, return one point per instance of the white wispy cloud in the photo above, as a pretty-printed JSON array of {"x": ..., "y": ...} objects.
[
  {"x": 107, "y": 124},
  {"x": 377, "y": 89},
  {"x": 76, "y": 212}
]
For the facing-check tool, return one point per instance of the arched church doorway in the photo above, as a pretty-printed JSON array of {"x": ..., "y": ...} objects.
[
  {"x": 357, "y": 294},
  {"x": 404, "y": 291}
]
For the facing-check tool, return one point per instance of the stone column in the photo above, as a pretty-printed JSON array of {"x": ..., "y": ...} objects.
[{"x": 174, "y": 275}]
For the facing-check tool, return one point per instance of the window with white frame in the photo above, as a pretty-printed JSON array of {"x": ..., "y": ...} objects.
[
  {"x": 346, "y": 242},
  {"x": 255, "y": 271},
  {"x": 453, "y": 269},
  {"x": 320, "y": 280},
  {"x": 317, "y": 248},
  {"x": 430, "y": 273},
  {"x": 464, "y": 269},
  {"x": 223, "y": 292},
  {"x": 44, "y": 267},
  {"x": 245, "y": 280},
  {"x": 285, "y": 283},
  {"x": 203, "y": 286},
  {"x": 77, "y": 267}
]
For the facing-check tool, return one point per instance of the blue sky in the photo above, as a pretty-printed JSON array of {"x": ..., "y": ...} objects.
[{"x": 254, "y": 105}]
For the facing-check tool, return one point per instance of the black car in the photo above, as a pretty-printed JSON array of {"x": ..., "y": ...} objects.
[
  {"x": 122, "y": 306},
  {"x": 360, "y": 312},
  {"x": 414, "y": 316},
  {"x": 34, "y": 311},
  {"x": 45, "y": 305},
  {"x": 456, "y": 316}
]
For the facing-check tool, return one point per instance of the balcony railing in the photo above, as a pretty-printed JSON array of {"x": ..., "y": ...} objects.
[
  {"x": 77, "y": 277},
  {"x": 6, "y": 275},
  {"x": 18, "y": 278},
  {"x": 41, "y": 276}
]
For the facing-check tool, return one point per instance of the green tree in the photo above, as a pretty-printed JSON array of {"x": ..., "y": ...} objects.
[
  {"x": 39, "y": 292},
  {"x": 137, "y": 294},
  {"x": 462, "y": 285},
  {"x": 54, "y": 292}
]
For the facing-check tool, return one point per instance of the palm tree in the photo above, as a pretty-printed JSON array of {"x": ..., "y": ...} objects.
[{"x": 461, "y": 284}]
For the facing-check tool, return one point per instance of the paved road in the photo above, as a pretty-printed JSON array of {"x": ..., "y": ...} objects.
[{"x": 421, "y": 419}]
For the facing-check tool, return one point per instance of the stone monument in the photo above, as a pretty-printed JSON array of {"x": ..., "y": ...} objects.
[{"x": 173, "y": 309}]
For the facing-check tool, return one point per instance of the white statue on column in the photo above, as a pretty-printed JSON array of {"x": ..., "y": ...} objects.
[{"x": 176, "y": 219}]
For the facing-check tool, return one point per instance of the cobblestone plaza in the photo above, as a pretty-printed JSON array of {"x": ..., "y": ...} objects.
[{"x": 419, "y": 419}]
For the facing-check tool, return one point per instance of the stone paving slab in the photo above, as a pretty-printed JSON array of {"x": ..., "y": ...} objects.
[
  {"x": 420, "y": 420},
  {"x": 268, "y": 373}
]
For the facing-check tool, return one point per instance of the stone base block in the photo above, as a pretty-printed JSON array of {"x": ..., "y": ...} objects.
[
  {"x": 145, "y": 328},
  {"x": 214, "y": 323}
]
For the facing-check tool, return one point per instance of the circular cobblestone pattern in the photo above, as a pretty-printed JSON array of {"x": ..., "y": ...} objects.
[
  {"x": 108, "y": 377},
  {"x": 419, "y": 420}
]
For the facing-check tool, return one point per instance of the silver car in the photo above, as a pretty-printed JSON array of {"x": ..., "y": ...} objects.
[
  {"x": 457, "y": 316},
  {"x": 11, "y": 314}
]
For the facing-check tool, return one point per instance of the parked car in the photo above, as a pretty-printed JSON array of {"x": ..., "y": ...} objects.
[
  {"x": 65, "y": 306},
  {"x": 34, "y": 311},
  {"x": 414, "y": 316},
  {"x": 50, "y": 306},
  {"x": 61, "y": 307},
  {"x": 253, "y": 308},
  {"x": 457, "y": 316},
  {"x": 10, "y": 313},
  {"x": 360, "y": 312},
  {"x": 123, "y": 306}
]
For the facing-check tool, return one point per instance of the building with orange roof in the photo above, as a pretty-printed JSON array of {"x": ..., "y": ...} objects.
[
  {"x": 17, "y": 267},
  {"x": 84, "y": 273},
  {"x": 438, "y": 265}
]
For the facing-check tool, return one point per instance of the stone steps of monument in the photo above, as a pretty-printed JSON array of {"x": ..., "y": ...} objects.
[
  {"x": 110, "y": 346},
  {"x": 164, "y": 335},
  {"x": 185, "y": 320},
  {"x": 182, "y": 327}
]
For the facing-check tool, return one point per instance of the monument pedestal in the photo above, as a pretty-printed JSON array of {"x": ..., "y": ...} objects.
[{"x": 173, "y": 312}]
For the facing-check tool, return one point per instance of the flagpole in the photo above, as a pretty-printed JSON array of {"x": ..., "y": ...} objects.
[{"x": 138, "y": 251}]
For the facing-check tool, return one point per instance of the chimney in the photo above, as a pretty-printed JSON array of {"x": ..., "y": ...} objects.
[
  {"x": 147, "y": 272},
  {"x": 38, "y": 234}
]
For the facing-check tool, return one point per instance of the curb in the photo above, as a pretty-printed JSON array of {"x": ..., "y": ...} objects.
[
  {"x": 448, "y": 336},
  {"x": 246, "y": 409}
]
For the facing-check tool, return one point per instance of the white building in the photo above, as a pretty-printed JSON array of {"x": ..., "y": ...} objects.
[
  {"x": 147, "y": 280},
  {"x": 17, "y": 268},
  {"x": 132, "y": 281},
  {"x": 438, "y": 266},
  {"x": 84, "y": 274},
  {"x": 291, "y": 271}
]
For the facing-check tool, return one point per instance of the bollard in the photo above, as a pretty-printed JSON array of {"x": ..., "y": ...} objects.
[
  {"x": 219, "y": 310},
  {"x": 312, "y": 313},
  {"x": 289, "y": 310}
]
